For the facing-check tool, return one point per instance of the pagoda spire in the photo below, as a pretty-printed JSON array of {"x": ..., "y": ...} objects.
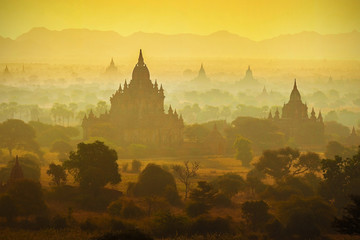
[
  {"x": 353, "y": 132},
  {"x": 270, "y": 115},
  {"x": 141, "y": 59}
]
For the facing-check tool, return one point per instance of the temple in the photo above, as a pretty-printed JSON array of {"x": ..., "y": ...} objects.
[
  {"x": 296, "y": 124},
  {"x": 201, "y": 77},
  {"x": 249, "y": 80},
  {"x": 111, "y": 68},
  {"x": 137, "y": 114}
]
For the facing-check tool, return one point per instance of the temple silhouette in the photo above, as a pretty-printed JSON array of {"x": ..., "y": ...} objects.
[
  {"x": 201, "y": 77},
  {"x": 249, "y": 80},
  {"x": 111, "y": 69},
  {"x": 137, "y": 114},
  {"x": 295, "y": 122}
]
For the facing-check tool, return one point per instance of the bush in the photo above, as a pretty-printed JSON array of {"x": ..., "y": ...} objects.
[
  {"x": 114, "y": 208},
  {"x": 59, "y": 222},
  {"x": 195, "y": 209},
  {"x": 168, "y": 225},
  {"x": 135, "y": 166},
  {"x": 205, "y": 226},
  {"x": 154, "y": 181},
  {"x": 221, "y": 200},
  {"x": 133, "y": 234},
  {"x": 130, "y": 210},
  {"x": 88, "y": 225}
]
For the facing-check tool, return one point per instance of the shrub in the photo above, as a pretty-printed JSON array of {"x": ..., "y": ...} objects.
[
  {"x": 114, "y": 208},
  {"x": 58, "y": 222},
  {"x": 130, "y": 210},
  {"x": 132, "y": 234},
  {"x": 205, "y": 226},
  {"x": 135, "y": 166},
  {"x": 154, "y": 181},
  {"x": 194, "y": 209},
  {"x": 168, "y": 225},
  {"x": 88, "y": 225}
]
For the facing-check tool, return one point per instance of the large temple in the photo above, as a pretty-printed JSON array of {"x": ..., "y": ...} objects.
[
  {"x": 295, "y": 122},
  {"x": 137, "y": 114}
]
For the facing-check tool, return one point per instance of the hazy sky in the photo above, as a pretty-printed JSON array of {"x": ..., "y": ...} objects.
[{"x": 255, "y": 19}]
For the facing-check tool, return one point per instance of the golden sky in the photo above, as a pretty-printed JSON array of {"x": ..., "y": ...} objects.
[{"x": 255, "y": 19}]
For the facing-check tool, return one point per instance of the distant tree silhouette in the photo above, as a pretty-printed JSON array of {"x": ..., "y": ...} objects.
[
  {"x": 93, "y": 165},
  {"x": 287, "y": 161},
  {"x": 15, "y": 134},
  {"x": 155, "y": 181},
  {"x": 196, "y": 133},
  {"x": 135, "y": 166},
  {"x": 243, "y": 150},
  {"x": 229, "y": 184},
  {"x": 186, "y": 173},
  {"x": 62, "y": 148},
  {"x": 58, "y": 174},
  {"x": 349, "y": 223}
]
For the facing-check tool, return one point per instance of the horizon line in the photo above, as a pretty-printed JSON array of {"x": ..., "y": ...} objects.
[{"x": 183, "y": 33}]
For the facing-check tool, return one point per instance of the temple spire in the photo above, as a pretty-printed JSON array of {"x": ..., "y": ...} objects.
[
  {"x": 295, "y": 86},
  {"x": 141, "y": 59}
]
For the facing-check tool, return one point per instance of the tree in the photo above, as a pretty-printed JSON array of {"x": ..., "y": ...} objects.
[
  {"x": 7, "y": 208},
  {"x": 15, "y": 134},
  {"x": 306, "y": 218},
  {"x": 243, "y": 150},
  {"x": 341, "y": 179},
  {"x": 62, "y": 148},
  {"x": 204, "y": 193},
  {"x": 93, "y": 165},
  {"x": 28, "y": 197},
  {"x": 287, "y": 161},
  {"x": 349, "y": 223},
  {"x": 186, "y": 173},
  {"x": 135, "y": 166},
  {"x": 58, "y": 174},
  {"x": 255, "y": 213},
  {"x": 229, "y": 184},
  {"x": 155, "y": 181}
]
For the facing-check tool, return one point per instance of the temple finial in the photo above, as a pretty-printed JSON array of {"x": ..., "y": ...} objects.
[{"x": 141, "y": 59}]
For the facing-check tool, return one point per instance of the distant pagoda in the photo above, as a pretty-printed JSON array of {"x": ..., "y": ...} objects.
[
  {"x": 249, "y": 80},
  {"x": 137, "y": 114},
  {"x": 111, "y": 69},
  {"x": 16, "y": 172},
  {"x": 201, "y": 77}
]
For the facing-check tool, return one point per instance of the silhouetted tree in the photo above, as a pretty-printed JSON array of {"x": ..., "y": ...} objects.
[
  {"x": 349, "y": 223},
  {"x": 135, "y": 166},
  {"x": 186, "y": 173},
  {"x": 341, "y": 179},
  {"x": 229, "y": 184},
  {"x": 93, "y": 165},
  {"x": 243, "y": 150},
  {"x": 255, "y": 213},
  {"x": 155, "y": 181},
  {"x": 15, "y": 134},
  {"x": 285, "y": 161},
  {"x": 7, "y": 208},
  {"x": 58, "y": 174}
]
